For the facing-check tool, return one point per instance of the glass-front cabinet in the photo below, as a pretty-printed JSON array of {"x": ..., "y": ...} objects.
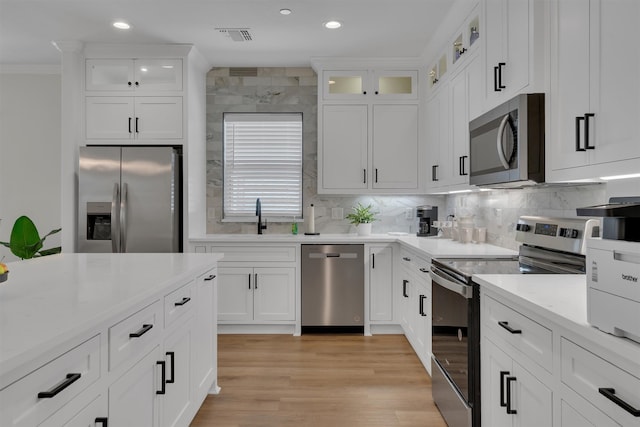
[
  {"x": 357, "y": 84},
  {"x": 466, "y": 37},
  {"x": 396, "y": 84},
  {"x": 133, "y": 75},
  {"x": 438, "y": 70},
  {"x": 345, "y": 84}
]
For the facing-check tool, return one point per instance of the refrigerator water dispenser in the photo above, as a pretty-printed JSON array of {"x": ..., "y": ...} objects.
[{"x": 98, "y": 220}]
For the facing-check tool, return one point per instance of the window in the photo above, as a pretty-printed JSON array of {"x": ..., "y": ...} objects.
[{"x": 262, "y": 159}]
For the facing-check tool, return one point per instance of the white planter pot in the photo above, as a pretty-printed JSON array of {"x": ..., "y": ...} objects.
[{"x": 363, "y": 229}]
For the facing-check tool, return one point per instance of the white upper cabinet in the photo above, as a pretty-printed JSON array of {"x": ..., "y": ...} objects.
[
  {"x": 345, "y": 84},
  {"x": 133, "y": 75},
  {"x": 595, "y": 90},
  {"x": 360, "y": 84},
  {"x": 513, "y": 48},
  {"x": 391, "y": 84}
]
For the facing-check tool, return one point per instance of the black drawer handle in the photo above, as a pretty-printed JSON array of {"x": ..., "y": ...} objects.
[
  {"x": 211, "y": 277},
  {"x": 70, "y": 379},
  {"x": 182, "y": 302},
  {"x": 163, "y": 380},
  {"x": 503, "y": 374},
  {"x": 610, "y": 393},
  {"x": 404, "y": 288},
  {"x": 509, "y": 328},
  {"x": 406, "y": 259},
  {"x": 424, "y": 270},
  {"x": 172, "y": 367},
  {"x": 141, "y": 331},
  {"x": 422, "y": 298},
  {"x": 103, "y": 420},
  {"x": 510, "y": 410}
]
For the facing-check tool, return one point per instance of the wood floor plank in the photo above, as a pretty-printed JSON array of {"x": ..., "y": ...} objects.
[{"x": 318, "y": 381}]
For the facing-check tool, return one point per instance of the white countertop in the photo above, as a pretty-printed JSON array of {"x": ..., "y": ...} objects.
[
  {"x": 560, "y": 298},
  {"x": 51, "y": 299},
  {"x": 431, "y": 246}
]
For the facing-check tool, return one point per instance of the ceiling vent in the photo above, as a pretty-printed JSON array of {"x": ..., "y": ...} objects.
[
  {"x": 243, "y": 72},
  {"x": 237, "y": 34}
]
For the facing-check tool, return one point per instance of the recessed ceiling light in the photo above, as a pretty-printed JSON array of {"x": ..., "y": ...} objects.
[
  {"x": 332, "y": 25},
  {"x": 121, "y": 25},
  {"x": 285, "y": 11}
]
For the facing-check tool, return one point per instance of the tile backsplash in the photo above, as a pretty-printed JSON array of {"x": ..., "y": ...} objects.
[{"x": 295, "y": 90}]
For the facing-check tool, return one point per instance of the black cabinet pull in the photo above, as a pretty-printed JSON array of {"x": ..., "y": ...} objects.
[
  {"x": 140, "y": 332},
  {"x": 424, "y": 270},
  {"x": 373, "y": 260},
  {"x": 376, "y": 175},
  {"x": 510, "y": 410},
  {"x": 404, "y": 288},
  {"x": 102, "y": 420},
  {"x": 137, "y": 84},
  {"x": 578, "y": 120},
  {"x": 137, "y": 124},
  {"x": 422, "y": 298},
  {"x": 462, "y": 51},
  {"x": 506, "y": 326},
  {"x": 406, "y": 258},
  {"x": 364, "y": 176},
  {"x": 182, "y": 302},
  {"x": 610, "y": 393},
  {"x": 586, "y": 131},
  {"x": 255, "y": 281},
  {"x": 500, "y": 85},
  {"x": 462, "y": 171},
  {"x": 495, "y": 80},
  {"x": 172, "y": 366},
  {"x": 128, "y": 83},
  {"x": 129, "y": 124},
  {"x": 364, "y": 92},
  {"x": 376, "y": 92},
  {"x": 503, "y": 374},
  {"x": 210, "y": 277},
  {"x": 163, "y": 379},
  {"x": 249, "y": 280},
  {"x": 434, "y": 173},
  {"x": 69, "y": 379}
]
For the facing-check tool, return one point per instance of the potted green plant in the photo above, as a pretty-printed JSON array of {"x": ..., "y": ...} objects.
[
  {"x": 362, "y": 217},
  {"x": 25, "y": 242}
]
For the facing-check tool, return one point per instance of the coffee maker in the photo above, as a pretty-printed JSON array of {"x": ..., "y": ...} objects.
[{"x": 426, "y": 215}]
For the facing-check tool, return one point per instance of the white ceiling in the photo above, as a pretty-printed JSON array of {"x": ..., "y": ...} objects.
[{"x": 372, "y": 28}]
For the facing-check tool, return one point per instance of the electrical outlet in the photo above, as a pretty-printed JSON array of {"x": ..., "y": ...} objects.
[
  {"x": 408, "y": 213},
  {"x": 337, "y": 213}
]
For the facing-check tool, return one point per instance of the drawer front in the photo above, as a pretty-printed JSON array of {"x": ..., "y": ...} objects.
[
  {"x": 34, "y": 398},
  {"x": 178, "y": 303},
  {"x": 129, "y": 338},
  {"x": 414, "y": 262},
  {"x": 531, "y": 338},
  {"x": 587, "y": 373},
  {"x": 256, "y": 254}
]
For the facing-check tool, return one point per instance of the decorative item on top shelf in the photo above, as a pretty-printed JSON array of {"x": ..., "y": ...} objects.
[
  {"x": 4, "y": 271},
  {"x": 26, "y": 243},
  {"x": 362, "y": 217}
]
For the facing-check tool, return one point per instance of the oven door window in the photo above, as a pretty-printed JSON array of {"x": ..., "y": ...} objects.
[
  {"x": 450, "y": 342},
  {"x": 484, "y": 155}
]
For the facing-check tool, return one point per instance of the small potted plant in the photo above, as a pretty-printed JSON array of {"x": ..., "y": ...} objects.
[{"x": 362, "y": 217}]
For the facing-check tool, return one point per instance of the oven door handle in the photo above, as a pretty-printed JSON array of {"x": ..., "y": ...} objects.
[{"x": 458, "y": 288}]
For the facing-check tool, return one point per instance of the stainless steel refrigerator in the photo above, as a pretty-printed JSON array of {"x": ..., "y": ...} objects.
[{"x": 129, "y": 199}]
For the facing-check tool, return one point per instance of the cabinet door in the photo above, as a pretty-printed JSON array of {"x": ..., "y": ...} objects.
[
  {"x": 421, "y": 318},
  {"x": 460, "y": 128},
  {"x": 614, "y": 70},
  {"x": 475, "y": 87},
  {"x": 109, "y": 117},
  {"x": 158, "y": 117},
  {"x": 531, "y": 399},
  {"x": 583, "y": 415},
  {"x": 177, "y": 402},
  {"x": 133, "y": 398},
  {"x": 395, "y": 84},
  {"x": 158, "y": 74},
  {"x": 109, "y": 75},
  {"x": 92, "y": 415},
  {"x": 404, "y": 304},
  {"x": 494, "y": 42},
  {"x": 570, "y": 81},
  {"x": 204, "y": 341},
  {"x": 496, "y": 365},
  {"x": 345, "y": 84},
  {"x": 274, "y": 294},
  {"x": 235, "y": 294},
  {"x": 432, "y": 113},
  {"x": 380, "y": 280},
  {"x": 440, "y": 147},
  {"x": 395, "y": 146},
  {"x": 343, "y": 154}
]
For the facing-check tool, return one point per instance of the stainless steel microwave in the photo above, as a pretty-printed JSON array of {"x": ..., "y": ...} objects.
[{"x": 506, "y": 144}]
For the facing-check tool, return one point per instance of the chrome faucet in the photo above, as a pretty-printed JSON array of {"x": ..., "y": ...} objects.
[{"x": 261, "y": 226}]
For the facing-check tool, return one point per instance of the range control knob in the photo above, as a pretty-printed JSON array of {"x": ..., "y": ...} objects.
[{"x": 523, "y": 227}]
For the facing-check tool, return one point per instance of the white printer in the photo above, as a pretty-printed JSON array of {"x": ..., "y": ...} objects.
[{"x": 613, "y": 268}]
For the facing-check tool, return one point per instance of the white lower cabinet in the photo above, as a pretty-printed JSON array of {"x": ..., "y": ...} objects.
[
  {"x": 205, "y": 331},
  {"x": 260, "y": 294},
  {"x": 134, "y": 398},
  {"x": 511, "y": 395},
  {"x": 380, "y": 283},
  {"x": 92, "y": 415},
  {"x": 177, "y": 401}
]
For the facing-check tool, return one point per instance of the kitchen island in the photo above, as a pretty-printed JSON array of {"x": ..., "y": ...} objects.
[{"x": 117, "y": 336}]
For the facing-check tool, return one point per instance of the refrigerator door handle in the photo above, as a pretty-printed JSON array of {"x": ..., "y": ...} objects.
[
  {"x": 123, "y": 218},
  {"x": 115, "y": 223}
]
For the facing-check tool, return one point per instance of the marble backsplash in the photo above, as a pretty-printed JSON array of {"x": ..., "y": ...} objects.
[{"x": 295, "y": 90}]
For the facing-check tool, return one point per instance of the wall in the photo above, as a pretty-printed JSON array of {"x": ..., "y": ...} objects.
[
  {"x": 288, "y": 90},
  {"x": 30, "y": 153},
  {"x": 498, "y": 210}
]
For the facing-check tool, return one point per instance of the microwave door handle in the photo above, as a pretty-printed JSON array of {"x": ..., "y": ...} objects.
[
  {"x": 115, "y": 223},
  {"x": 499, "y": 148}
]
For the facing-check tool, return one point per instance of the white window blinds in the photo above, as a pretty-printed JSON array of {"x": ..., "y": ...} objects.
[{"x": 262, "y": 159}]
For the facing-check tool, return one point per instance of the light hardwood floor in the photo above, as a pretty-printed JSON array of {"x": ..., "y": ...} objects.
[{"x": 319, "y": 380}]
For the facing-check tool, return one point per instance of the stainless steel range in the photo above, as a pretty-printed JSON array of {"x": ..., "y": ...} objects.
[{"x": 549, "y": 245}]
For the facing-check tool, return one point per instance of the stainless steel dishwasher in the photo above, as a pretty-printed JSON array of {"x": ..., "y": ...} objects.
[{"x": 332, "y": 288}]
